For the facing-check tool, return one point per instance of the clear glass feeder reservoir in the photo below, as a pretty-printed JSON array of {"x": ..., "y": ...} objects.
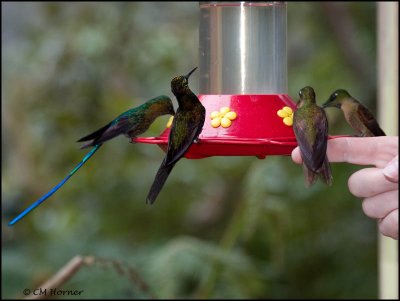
[{"x": 243, "y": 82}]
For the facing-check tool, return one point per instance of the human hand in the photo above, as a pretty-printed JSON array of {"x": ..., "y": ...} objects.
[{"x": 378, "y": 186}]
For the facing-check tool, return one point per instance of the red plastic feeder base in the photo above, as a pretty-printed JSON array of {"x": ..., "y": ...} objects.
[{"x": 257, "y": 129}]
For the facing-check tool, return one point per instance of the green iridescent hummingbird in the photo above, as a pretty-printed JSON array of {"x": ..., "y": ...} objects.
[
  {"x": 186, "y": 128},
  {"x": 310, "y": 127},
  {"x": 355, "y": 113},
  {"x": 131, "y": 123}
]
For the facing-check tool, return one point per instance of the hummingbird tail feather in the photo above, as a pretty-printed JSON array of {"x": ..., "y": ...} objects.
[
  {"x": 95, "y": 134},
  {"x": 54, "y": 189},
  {"x": 89, "y": 144},
  {"x": 326, "y": 174},
  {"x": 309, "y": 176},
  {"x": 159, "y": 181}
]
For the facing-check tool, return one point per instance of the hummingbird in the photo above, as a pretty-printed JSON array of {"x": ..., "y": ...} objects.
[
  {"x": 310, "y": 127},
  {"x": 131, "y": 123},
  {"x": 356, "y": 114},
  {"x": 186, "y": 128}
]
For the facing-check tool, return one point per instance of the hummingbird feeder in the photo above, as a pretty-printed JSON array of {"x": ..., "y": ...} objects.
[{"x": 243, "y": 82}]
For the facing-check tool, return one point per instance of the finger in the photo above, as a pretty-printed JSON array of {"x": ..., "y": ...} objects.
[
  {"x": 368, "y": 182},
  {"x": 364, "y": 151},
  {"x": 378, "y": 206},
  {"x": 391, "y": 171},
  {"x": 376, "y": 151},
  {"x": 389, "y": 225},
  {"x": 296, "y": 156}
]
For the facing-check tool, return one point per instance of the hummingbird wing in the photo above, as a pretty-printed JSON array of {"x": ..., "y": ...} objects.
[
  {"x": 369, "y": 121},
  {"x": 321, "y": 141},
  {"x": 95, "y": 134},
  {"x": 185, "y": 129},
  {"x": 312, "y": 142},
  {"x": 123, "y": 124}
]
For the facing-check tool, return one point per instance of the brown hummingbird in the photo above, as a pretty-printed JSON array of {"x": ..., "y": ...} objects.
[
  {"x": 310, "y": 127},
  {"x": 356, "y": 114}
]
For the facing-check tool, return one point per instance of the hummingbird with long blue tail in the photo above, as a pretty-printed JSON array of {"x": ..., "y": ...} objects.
[
  {"x": 186, "y": 127},
  {"x": 310, "y": 126},
  {"x": 130, "y": 123},
  {"x": 356, "y": 114}
]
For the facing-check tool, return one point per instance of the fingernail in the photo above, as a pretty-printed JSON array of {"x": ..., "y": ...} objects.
[{"x": 392, "y": 169}]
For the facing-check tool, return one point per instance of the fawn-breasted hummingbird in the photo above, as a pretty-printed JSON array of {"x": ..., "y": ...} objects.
[{"x": 356, "y": 114}]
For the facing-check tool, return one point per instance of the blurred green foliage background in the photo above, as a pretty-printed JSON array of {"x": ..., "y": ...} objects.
[{"x": 225, "y": 227}]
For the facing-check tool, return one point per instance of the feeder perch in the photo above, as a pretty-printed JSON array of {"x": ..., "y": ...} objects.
[{"x": 243, "y": 82}]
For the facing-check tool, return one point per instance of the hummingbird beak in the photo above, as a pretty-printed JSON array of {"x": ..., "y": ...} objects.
[
  {"x": 190, "y": 73},
  {"x": 328, "y": 103}
]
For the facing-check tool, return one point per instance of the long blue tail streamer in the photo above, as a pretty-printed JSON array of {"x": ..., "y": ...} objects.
[{"x": 52, "y": 191}]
